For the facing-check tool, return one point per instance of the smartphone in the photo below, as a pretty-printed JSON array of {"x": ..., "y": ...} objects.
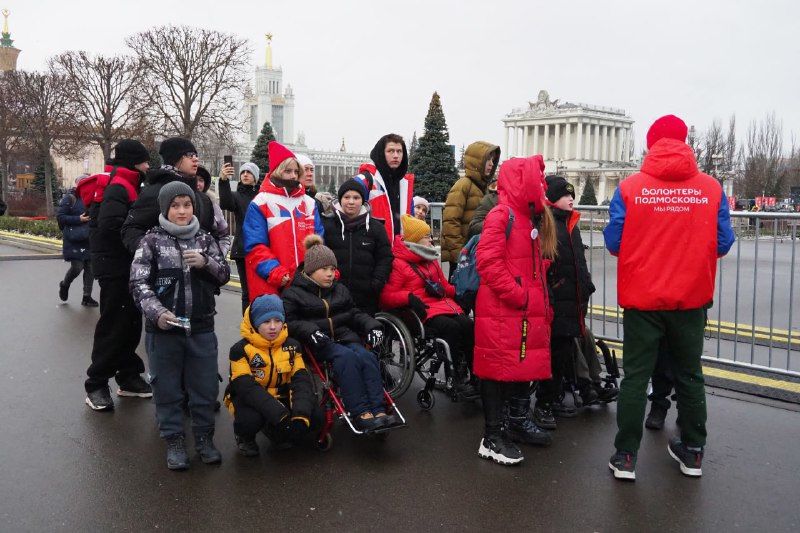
[{"x": 227, "y": 160}]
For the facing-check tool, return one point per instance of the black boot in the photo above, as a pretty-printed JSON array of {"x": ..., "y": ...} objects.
[
  {"x": 463, "y": 385},
  {"x": 521, "y": 428},
  {"x": 204, "y": 445},
  {"x": 177, "y": 458},
  {"x": 656, "y": 417}
]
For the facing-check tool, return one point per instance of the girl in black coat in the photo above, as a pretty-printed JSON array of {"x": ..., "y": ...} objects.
[
  {"x": 74, "y": 224},
  {"x": 237, "y": 203},
  {"x": 361, "y": 246}
]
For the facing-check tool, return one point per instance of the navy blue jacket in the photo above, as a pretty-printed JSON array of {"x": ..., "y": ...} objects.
[{"x": 75, "y": 243}]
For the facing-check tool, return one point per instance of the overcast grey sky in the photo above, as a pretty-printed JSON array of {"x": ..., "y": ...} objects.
[{"x": 363, "y": 68}]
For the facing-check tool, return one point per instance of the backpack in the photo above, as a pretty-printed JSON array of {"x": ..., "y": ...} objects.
[{"x": 465, "y": 277}]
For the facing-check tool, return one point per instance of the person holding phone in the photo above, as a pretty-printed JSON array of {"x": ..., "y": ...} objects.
[{"x": 237, "y": 202}]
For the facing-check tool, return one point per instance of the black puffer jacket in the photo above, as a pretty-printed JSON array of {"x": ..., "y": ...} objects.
[
  {"x": 364, "y": 256},
  {"x": 144, "y": 212},
  {"x": 569, "y": 278},
  {"x": 237, "y": 203},
  {"x": 310, "y": 308}
]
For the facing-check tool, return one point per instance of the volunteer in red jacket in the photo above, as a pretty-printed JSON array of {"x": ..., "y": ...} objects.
[
  {"x": 391, "y": 189},
  {"x": 417, "y": 281},
  {"x": 512, "y": 310},
  {"x": 668, "y": 225},
  {"x": 277, "y": 220}
]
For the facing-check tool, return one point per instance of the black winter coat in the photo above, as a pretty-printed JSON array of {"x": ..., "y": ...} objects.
[
  {"x": 237, "y": 203},
  {"x": 143, "y": 215},
  {"x": 110, "y": 258},
  {"x": 364, "y": 257},
  {"x": 75, "y": 240},
  {"x": 310, "y": 308},
  {"x": 569, "y": 278}
]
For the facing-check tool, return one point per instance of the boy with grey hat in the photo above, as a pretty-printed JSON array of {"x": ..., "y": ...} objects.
[{"x": 176, "y": 270}]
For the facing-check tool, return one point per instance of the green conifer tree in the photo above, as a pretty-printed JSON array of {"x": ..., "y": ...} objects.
[
  {"x": 38, "y": 181},
  {"x": 434, "y": 164},
  {"x": 461, "y": 164},
  {"x": 260, "y": 156},
  {"x": 588, "y": 197}
]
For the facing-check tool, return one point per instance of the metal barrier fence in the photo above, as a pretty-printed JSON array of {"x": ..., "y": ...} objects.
[{"x": 751, "y": 321}]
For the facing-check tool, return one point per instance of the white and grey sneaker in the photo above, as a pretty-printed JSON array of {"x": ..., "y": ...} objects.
[
  {"x": 135, "y": 387},
  {"x": 500, "y": 450},
  {"x": 100, "y": 400}
]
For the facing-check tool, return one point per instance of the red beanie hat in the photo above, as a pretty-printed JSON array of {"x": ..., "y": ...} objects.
[
  {"x": 668, "y": 126},
  {"x": 278, "y": 153}
]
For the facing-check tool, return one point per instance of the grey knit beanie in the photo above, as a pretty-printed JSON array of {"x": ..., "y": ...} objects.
[
  {"x": 252, "y": 168},
  {"x": 168, "y": 193}
]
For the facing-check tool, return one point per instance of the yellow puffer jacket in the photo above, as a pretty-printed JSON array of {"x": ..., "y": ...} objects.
[
  {"x": 465, "y": 196},
  {"x": 276, "y": 367}
]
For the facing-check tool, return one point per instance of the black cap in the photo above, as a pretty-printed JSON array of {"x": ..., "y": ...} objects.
[
  {"x": 174, "y": 148},
  {"x": 128, "y": 153},
  {"x": 557, "y": 187},
  {"x": 352, "y": 184}
]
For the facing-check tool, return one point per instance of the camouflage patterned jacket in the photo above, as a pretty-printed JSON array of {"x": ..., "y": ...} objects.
[{"x": 160, "y": 281}]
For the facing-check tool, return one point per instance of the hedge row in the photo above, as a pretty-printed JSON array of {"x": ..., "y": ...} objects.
[{"x": 44, "y": 228}]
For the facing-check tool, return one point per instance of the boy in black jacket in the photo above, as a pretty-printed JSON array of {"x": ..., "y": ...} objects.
[{"x": 570, "y": 287}]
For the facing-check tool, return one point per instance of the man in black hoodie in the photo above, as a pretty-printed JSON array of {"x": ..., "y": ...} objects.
[
  {"x": 119, "y": 327},
  {"x": 391, "y": 189}
]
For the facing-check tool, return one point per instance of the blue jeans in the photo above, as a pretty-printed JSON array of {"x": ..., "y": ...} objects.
[
  {"x": 358, "y": 374},
  {"x": 194, "y": 359}
]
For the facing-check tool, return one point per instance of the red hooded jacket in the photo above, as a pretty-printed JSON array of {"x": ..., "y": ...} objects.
[
  {"x": 512, "y": 311},
  {"x": 404, "y": 281}
]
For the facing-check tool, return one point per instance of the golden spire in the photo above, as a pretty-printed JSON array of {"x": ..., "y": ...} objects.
[
  {"x": 6, "y": 13},
  {"x": 269, "y": 50}
]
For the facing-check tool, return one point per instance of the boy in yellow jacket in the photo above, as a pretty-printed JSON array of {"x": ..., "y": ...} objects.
[{"x": 270, "y": 388}]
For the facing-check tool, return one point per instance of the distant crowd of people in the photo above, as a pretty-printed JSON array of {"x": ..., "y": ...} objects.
[{"x": 315, "y": 268}]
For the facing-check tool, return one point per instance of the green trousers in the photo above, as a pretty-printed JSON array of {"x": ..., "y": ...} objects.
[{"x": 683, "y": 332}]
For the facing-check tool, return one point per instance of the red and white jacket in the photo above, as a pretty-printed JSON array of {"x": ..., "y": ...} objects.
[{"x": 380, "y": 207}]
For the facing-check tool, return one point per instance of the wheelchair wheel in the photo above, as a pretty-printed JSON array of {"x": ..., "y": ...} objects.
[
  {"x": 396, "y": 355},
  {"x": 326, "y": 443},
  {"x": 426, "y": 400}
]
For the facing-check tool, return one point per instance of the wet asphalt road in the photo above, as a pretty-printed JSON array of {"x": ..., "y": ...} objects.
[{"x": 67, "y": 468}]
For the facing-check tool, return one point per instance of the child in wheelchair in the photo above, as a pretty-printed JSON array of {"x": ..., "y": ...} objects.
[
  {"x": 270, "y": 389},
  {"x": 417, "y": 282},
  {"x": 321, "y": 314}
]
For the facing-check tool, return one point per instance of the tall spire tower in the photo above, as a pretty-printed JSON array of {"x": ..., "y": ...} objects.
[
  {"x": 271, "y": 101},
  {"x": 269, "y": 51},
  {"x": 8, "y": 54}
]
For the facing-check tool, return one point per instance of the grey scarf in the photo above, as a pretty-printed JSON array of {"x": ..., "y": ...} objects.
[
  {"x": 180, "y": 232},
  {"x": 428, "y": 253}
]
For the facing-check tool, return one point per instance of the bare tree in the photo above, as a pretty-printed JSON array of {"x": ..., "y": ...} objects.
[
  {"x": 45, "y": 115},
  {"x": 695, "y": 142},
  {"x": 195, "y": 77},
  {"x": 713, "y": 144},
  {"x": 213, "y": 145},
  {"x": 763, "y": 154},
  {"x": 10, "y": 139},
  {"x": 107, "y": 92}
]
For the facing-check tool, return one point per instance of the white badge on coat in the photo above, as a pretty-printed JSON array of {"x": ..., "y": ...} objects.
[{"x": 534, "y": 234}]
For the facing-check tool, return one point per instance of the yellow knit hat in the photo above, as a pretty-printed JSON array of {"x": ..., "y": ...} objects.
[{"x": 414, "y": 229}]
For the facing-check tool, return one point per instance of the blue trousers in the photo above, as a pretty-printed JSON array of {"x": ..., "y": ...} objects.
[
  {"x": 358, "y": 374},
  {"x": 193, "y": 359}
]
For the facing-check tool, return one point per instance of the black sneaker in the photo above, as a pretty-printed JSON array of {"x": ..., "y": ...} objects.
[
  {"x": 656, "y": 417},
  {"x": 100, "y": 400},
  {"x": 543, "y": 417},
  {"x": 88, "y": 301},
  {"x": 691, "y": 462},
  {"x": 500, "y": 450},
  {"x": 204, "y": 444},
  {"x": 589, "y": 396},
  {"x": 605, "y": 394},
  {"x": 135, "y": 387},
  {"x": 177, "y": 458},
  {"x": 562, "y": 410},
  {"x": 63, "y": 291},
  {"x": 623, "y": 464},
  {"x": 248, "y": 448}
]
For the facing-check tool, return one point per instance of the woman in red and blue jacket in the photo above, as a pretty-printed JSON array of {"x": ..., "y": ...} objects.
[{"x": 277, "y": 220}]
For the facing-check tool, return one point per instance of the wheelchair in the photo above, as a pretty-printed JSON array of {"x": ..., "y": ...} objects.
[
  {"x": 609, "y": 379},
  {"x": 407, "y": 349},
  {"x": 327, "y": 392}
]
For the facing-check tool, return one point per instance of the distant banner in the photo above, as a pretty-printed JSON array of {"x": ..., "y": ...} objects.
[
  {"x": 732, "y": 203},
  {"x": 765, "y": 201}
]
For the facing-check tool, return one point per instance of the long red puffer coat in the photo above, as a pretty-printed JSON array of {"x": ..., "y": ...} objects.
[
  {"x": 513, "y": 282},
  {"x": 404, "y": 281}
]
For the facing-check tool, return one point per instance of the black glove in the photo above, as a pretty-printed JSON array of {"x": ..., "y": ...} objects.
[
  {"x": 418, "y": 306},
  {"x": 374, "y": 337},
  {"x": 298, "y": 428},
  {"x": 319, "y": 339}
]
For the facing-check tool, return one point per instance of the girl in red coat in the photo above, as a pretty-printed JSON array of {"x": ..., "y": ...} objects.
[
  {"x": 417, "y": 281},
  {"x": 512, "y": 310}
]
